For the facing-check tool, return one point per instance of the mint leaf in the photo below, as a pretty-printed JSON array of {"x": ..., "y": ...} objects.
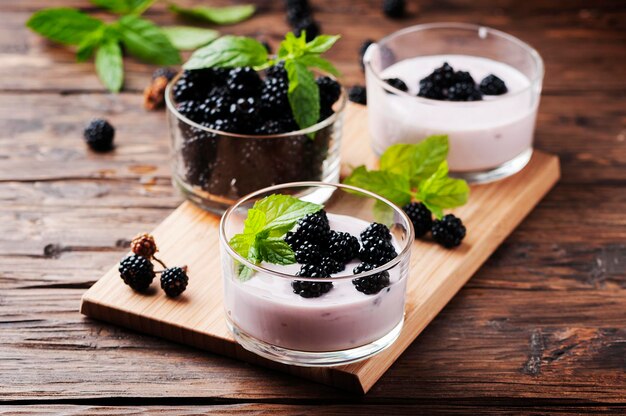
[
  {"x": 303, "y": 94},
  {"x": 255, "y": 222},
  {"x": 417, "y": 161},
  {"x": 228, "y": 52},
  {"x": 439, "y": 191},
  {"x": 63, "y": 25},
  {"x": 314, "y": 61},
  {"x": 245, "y": 273},
  {"x": 292, "y": 46},
  {"x": 283, "y": 211},
  {"x": 218, "y": 15},
  {"x": 188, "y": 38},
  {"x": 88, "y": 45},
  {"x": 147, "y": 41},
  {"x": 321, "y": 44},
  {"x": 392, "y": 186},
  {"x": 241, "y": 243},
  {"x": 383, "y": 213},
  {"x": 109, "y": 65},
  {"x": 276, "y": 251}
]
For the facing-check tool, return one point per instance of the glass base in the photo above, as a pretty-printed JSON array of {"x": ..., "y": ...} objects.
[
  {"x": 218, "y": 205},
  {"x": 500, "y": 172},
  {"x": 313, "y": 359}
]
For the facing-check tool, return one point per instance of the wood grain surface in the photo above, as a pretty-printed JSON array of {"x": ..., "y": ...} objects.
[{"x": 541, "y": 326}]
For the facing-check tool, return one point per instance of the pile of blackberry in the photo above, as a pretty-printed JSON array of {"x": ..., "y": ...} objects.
[
  {"x": 323, "y": 252},
  {"x": 448, "y": 232},
  {"x": 446, "y": 84},
  {"x": 240, "y": 101}
]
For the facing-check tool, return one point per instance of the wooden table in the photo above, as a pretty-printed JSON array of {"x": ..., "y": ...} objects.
[{"x": 542, "y": 326}]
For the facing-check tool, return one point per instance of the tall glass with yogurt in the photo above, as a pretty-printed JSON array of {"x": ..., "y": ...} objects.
[
  {"x": 343, "y": 325},
  {"x": 489, "y": 139}
]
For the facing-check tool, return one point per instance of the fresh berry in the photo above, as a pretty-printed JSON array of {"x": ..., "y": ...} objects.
[
  {"x": 174, "y": 281},
  {"x": 137, "y": 272},
  {"x": 277, "y": 71},
  {"x": 330, "y": 91},
  {"x": 184, "y": 88},
  {"x": 343, "y": 247},
  {"x": 331, "y": 266},
  {"x": 294, "y": 240},
  {"x": 308, "y": 253},
  {"x": 307, "y": 25},
  {"x": 191, "y": 110},
  {"x": 244, "y": 82},
  {"x": 394, "y": 8},
  {"x": 492, "y": 85},
  {"x": 420, "y": 216},
  {"x": 311, "y": 289},
  {"x": 362, "y": 49},
  {"x": 377, "y": 251},
  {"x": 165, "y": 72},
  {"x": 357, "y": 94},
  {"x": 270, "y": 128},
  {"x": 274, "y": 100},
  {"x": 216, "y": 106},
  {"x": 314, "y": 227},
  {"x": 464, "y": 77},
  {"x": 434, "y": 86},
  {"x": 143, "y": 245},
  {"x": 428, "y": 89},
  {"x": 376, "y": 230},
  {"x": 197, "y": 83},
  {"x": 464, "y": 91},
  {"x": 397, "y": 83},
  {"x": 370, "y": 285},
  {"x": 297, "y": 10},
  {"x": 449, "y": 231},
  {"x": 99, "y": 135}
]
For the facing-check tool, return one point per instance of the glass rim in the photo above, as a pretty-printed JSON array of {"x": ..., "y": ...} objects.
[
  {"x": 532, "y": 52},
  {"x": 311, "y": 184},
  {"x": 171, "y": 107}
]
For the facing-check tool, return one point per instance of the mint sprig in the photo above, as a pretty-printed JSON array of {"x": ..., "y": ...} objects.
[
  {"x": 267, "y": 222},
  {"x": 414, "y": 172},
  {"x": 140, "y": 37},
  {"x": 228, "y": 52}
]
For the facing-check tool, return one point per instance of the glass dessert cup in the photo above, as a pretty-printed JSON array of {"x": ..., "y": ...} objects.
[
  {"x": 213, "y": 168},
  {"x": 489, "y": 139},
  {"x": 342, "y": 326}
]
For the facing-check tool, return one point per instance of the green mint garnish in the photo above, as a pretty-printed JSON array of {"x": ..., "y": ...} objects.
[
  {"x": 228, "y": 52},
  {"x": 298, "y": 56},
  {"x": 217, "y": 15},
  {"x": 267, "y": 222},
  {"x": 414, "y": 172},
  {"x": 139, "y": 36}
]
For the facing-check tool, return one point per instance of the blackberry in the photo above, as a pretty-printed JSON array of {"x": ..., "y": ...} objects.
[
  {"x": 277, "y": 71},
  {"x": 314, "y": 227},
  {"x": 449, "y": 231},
  {"x": 244, "y": 82},
  {"x": 294, "y": 240},
  {"x": 343, "y": 247},
  {"x": 184, "y": 87},
  {"x": 492, "y": 85},
  {"x": 357, "y": 94},
  {"x": 174, "y": 281},
  {"x": 376, "y": 230},
  {"x": 362, "y": 49},
  {"x": 464, "y": 77},
  {"x": 428, "y": 89},
  {"x": 217, "y": 105},
  {"x": 194, "y": 84},
  {"x": 331, "y": 266},
  {"x": 274, "y": 99},
  {"x": 311, "y": 289},
  {"x": 370, "y": 285},
  {"x": 308, "y": 253},
  {"x": 377, "y": 251},
  {"x": 270, "y": 127},
  {"x": 443, "y": 76},
  {"x": 137, "y": 272},
  {"x": 394, "y": 8},
  {"x": 165, "y": 72},
  {"x": 245, "y": 112},
  {"x": 307, "y": 25},
  {"x": 397, "y": 83},
  {"x": 191, "y": 110},
  {"x": 99, "y": 135},
  {"x": 464, "y": 91},
  {"x": 420, "y": 216},
  {"x": 330, "y": 91},
  {"x": 143, "y": 245}
]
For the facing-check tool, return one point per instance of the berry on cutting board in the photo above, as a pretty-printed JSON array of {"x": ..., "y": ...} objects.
[
  {"x": 99, "y": 135},
  {"x": 420, "y": 216},
  {"x": 449, "y": 231},
  {"x": 137, "y": 272},
  {"x": 174, "y": 281}
]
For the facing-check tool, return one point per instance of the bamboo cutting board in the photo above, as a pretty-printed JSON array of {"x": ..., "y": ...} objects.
[{"x": 190, "y": 236}]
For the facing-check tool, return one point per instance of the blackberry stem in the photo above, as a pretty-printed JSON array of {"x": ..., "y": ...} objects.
[{"x": 159, "y": 261}]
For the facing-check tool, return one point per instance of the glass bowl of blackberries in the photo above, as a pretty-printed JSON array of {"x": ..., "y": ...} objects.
[{"x": 233, "y": 132}]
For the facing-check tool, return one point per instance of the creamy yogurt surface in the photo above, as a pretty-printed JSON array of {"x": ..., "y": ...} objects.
[{"x": 482, "y": 134}]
